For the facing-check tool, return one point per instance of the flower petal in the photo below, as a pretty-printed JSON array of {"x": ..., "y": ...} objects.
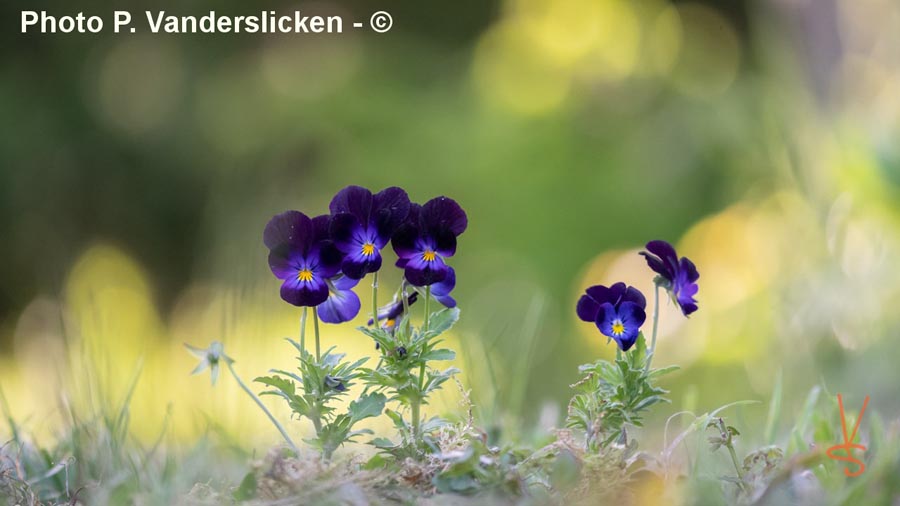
[
  {"x": 356, "y": 266},
  {"x": 346, "y": 232},
  {"x": 340, "y": 306},
  {"x": 390, "y": 207},
  {"x": 285, "y": 262},
  {"x": 405, "y": 241},
  {"x": 444, "y": 213},
  {"x": 355, "y": 200},
  {"x": 330, "y": 260},
  {"x": 606, "y": 315},
  {"x": 344, "y": 283},
  {"x": 634, "y": 295},
  {"x": 587, "y": 308},
  {"x": 632, "y": 316},
  {"x": 304, "y": 293},
  {"x": 420, "y": 272},
  {"x": 446, "y": 286},
  {"x": 290, "y": 228}
]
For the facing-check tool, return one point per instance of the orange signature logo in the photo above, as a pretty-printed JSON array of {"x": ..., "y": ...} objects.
[{"x": 848, "y": 445}]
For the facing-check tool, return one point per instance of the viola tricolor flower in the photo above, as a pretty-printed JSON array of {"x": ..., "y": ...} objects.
[
  {"x": 391, "y": 313},
  {"x": 678, "y": 277},
  {"x": 618, "y": 311},
  {"x": 302, "y": 255},
  {"x": 428, "y": 237},
  {"x": 363, "y": 223}
]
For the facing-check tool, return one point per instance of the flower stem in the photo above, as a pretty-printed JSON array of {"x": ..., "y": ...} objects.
[
  {"x": 375, "y": 299},
  {"x": 316, "y": 327},
  {"x": 416, "y": 405},
  {"x": 303, "y": 328},
  {"x": 427, "y": 312},
  {"x": 655, "y": 327},
  {"x": 737, "y": 467},
  {"x": 262, "y": 406}
]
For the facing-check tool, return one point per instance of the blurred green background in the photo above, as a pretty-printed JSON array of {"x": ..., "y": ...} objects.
[{"x": 138, "y": 172}]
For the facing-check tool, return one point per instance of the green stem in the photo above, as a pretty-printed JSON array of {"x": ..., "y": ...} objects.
[
  {"x": 316, "y": 327},
  {"x": 262, "y": 406},
  {"x": 655, "y": 328},
  {"x": 375, "y": 299},
  {"x": 427, "y": 312},
  {"x": 417, "y": 404},
  {"x": 303, "y": 328},
  {"x": 737, "y": 467}
]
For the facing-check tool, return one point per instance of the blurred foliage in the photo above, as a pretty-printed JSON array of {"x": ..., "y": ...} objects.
[{"x": 137, "y": 173}]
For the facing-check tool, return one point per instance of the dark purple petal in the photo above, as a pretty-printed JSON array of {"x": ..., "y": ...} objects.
[
  {"x": 444, "y": 242},
  {"x": 420, "y": 272},
  {"x": 355, "y": 200},
  {"x": 285, "y": 262},
  {"x": 446, "y": 286},
  {"x": 340, "y": 306},
  {"x": 612, "y": 294},
  {"x": 632, "y": 315},
  {"x": 657, "y": 265},
  {"x": 356, "y": 266},
  {"x": 405, "y": 241},
  {"x": 347, "y": 233},
  {"x": 321, "y": 227},
  {"x": 443, "y": 213},
  {"x": 634, "y": 295},
  {"x": 664, "y": 251},
  {"x": 330, "y": 260},
  {"x": 689, "y": 269},
  {"x": 587, "y": 308},
  {"x": 304, "y": 293},
  {"x": 290, "y": 228},
  {"x": 390, "y": 207}
]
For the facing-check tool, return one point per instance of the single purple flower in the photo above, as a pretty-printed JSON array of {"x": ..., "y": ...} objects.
[
  {"x": 302, "y": 255},
  {"x": 678, "y": 277},
  {"x": 617, "y": 310},
  {"x": 390, "y": 314},
  {"x": 428, "y": 237},
  {"x": 363, "y": 223}
]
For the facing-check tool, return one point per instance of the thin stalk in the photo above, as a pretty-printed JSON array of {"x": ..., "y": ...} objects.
[
  {"x": 375, "y": 299},
  {"x": 316, "y": 327},
  {"x": 655, "y": 327},
  {"x": 427, "y": 312},
  {"x": 416, "y": 405},
  {"x": 303, "y": 328},
  {"x": 737, "y": 467},
  {"x": 262, "y": 406}
]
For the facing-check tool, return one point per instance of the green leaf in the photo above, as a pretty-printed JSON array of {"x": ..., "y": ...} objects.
[
  {"x": 442, "y": 354},
  {"x": 247, "y": 489},
  {"x": 367, "y": 406},
  {"x": 774, "y": 411},
  {"x": 285, "y": 385},
  {"x": 442, "y": 321}
]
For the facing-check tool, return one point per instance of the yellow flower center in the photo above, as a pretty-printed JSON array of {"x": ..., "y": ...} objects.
[
  {"x": 429, "y": 256},
  {"x": 618, "y": 328},
  {"x": 389, "y": 323},
  {"x": 368, "y": 249},
  {"x": 305, "y": 275}
]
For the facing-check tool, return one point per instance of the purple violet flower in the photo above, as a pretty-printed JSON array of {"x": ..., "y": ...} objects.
[
  {"x": 362, "y": 225},
  {"x": 342, "y": 304},
  {"x": 302, "y": 255},
  {"x": 390, "y": 314},
  {"x": 428, "y": 237},
  {"x": 678, "y": 277},
  {"x": 618, "y": 311}
]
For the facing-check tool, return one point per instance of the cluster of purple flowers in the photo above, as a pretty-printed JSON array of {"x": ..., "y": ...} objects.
[
  {"x": 618, "y": 311},
  {"x": 320, "y": 260}
]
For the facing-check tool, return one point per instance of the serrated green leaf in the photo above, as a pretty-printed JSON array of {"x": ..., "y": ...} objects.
[
  {"x": 442, "y": 354},
  {"x": 442, "y": 321},
  {"x": 367, "y": 406}
]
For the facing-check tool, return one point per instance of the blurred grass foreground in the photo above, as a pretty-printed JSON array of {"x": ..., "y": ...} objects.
[{"x": 760, "y": 137}]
